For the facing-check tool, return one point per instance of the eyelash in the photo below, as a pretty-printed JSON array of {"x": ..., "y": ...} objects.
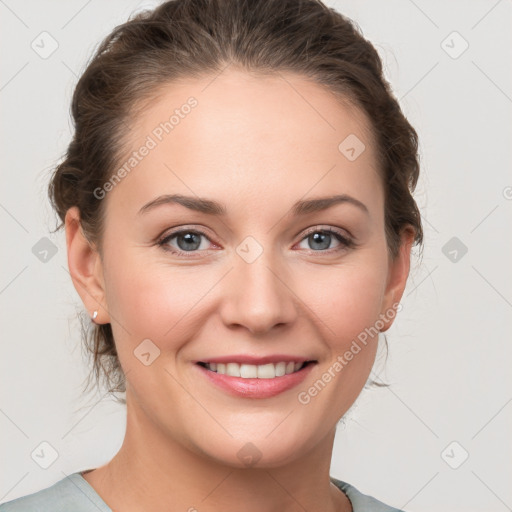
[{"x": 346, "y": 243}]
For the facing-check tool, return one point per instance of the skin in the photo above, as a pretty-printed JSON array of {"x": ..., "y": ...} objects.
[{"x": 257, "y": 145}]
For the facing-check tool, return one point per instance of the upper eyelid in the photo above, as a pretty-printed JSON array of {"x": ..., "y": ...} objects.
[
  {"x": 179, "y": 231},
  {"x": 333, "y": 229}
]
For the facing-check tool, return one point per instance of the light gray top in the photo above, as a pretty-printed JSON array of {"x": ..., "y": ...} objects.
[{"x": 74, "y": 494}]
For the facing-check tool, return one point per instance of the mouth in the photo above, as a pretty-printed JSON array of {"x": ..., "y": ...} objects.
[
  {"x": 253, "y": 371},
  {"x": 244, "y": 379}
]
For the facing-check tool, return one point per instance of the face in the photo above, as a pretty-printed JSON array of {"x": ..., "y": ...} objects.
[{"x": 250, "y": 268}]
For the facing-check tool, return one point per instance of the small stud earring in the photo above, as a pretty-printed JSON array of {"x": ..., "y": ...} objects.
[{"x": 94, "y": 315}]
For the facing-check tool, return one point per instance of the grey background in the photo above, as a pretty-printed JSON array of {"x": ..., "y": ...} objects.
[{"x": 450, "y": 347}]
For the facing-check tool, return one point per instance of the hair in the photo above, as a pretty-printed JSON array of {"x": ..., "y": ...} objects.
[{"x": 186, "y": 39}]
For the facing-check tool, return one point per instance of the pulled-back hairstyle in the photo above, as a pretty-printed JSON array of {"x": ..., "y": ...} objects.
[{"x": 182, "y": 39}]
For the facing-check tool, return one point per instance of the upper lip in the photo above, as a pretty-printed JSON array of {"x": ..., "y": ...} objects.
[{"x": 255, "y": 360}]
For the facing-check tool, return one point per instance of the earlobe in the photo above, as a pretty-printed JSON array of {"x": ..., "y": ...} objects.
[
  {"x": 397, "y": 278},
  {"x": 85, "y": 268}
]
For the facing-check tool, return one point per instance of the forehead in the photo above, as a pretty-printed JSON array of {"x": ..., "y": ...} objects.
[{"x": 272, "y": 135}]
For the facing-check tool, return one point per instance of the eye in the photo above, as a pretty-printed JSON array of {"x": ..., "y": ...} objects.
[
  {"x": 320, "y": 240},
  {"x": 188, "y": 242}
]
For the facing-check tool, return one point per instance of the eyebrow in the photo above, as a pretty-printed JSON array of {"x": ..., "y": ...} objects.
[{"x": 211, "y": 207}]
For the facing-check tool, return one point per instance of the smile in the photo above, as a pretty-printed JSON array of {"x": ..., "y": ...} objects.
[
  {"x": 246, "y": 380},
  {"x": 251, "y": 371}
]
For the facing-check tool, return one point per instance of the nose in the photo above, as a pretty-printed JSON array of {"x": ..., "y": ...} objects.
[{"x": 258, "y": 296}]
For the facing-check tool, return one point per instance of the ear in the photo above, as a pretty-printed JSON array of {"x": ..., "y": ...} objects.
[
  {"x": 85, "y": 267},
  {"x": 397, "y": 277}
]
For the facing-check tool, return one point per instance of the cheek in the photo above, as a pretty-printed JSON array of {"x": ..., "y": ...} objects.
[
  {"x": 346, "y": 299},
  {"x": 151, "y": 303},
  {"x": 156, "y": 302}
]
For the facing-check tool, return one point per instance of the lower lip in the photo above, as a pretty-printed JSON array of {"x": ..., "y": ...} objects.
[{"x": 256, "y": 388}]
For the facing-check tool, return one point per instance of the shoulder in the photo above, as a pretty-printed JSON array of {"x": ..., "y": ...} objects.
[
  {"x": 71, "y": 493},
  {"x": 361, "y": 502}
]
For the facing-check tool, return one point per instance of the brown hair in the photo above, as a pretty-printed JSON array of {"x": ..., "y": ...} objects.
[{"x": 194, "y": 38}]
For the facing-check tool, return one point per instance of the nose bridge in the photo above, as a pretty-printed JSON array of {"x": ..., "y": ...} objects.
[{"x": 258, "y": 296}]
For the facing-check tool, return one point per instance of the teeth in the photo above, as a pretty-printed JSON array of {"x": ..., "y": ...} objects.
[
  {"x": 266, "y": 371},
  {"x": 246, "y": 371},
  {"x": 233, "y": 369},
  {"x": 280, "y": 369},
  {"x": 251, "y": 371}
]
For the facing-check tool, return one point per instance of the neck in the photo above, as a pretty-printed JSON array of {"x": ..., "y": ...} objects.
[{"x": 154, "y": 472}]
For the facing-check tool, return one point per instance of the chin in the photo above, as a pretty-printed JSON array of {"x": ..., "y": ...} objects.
[{"x": 258, "y": 451}]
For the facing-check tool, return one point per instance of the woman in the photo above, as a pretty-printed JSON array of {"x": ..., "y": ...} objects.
[{"x": 237, "y": 201}]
